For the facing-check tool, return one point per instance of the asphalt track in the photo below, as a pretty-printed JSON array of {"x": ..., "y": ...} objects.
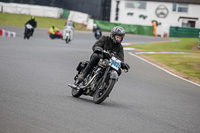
[{"x": 35, "y": 98}]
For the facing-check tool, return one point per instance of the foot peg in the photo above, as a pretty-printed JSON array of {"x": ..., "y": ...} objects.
[{"x": 73, "y": 86}]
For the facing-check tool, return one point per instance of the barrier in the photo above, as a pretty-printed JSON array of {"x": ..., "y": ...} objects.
[
  {"x": 184, "y": 32},
  {"x": 32, "y": 10},
  {"x": 133, "y": 29},
  {"x": 1, "y": 32},
  {"x": 7, "y": 33}
]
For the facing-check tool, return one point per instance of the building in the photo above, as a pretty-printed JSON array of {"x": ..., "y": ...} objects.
[
  {"x": 169, "y": 13},
  {"x": 185, "y": 14}
]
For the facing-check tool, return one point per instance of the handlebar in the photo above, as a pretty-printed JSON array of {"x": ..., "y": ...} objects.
[{"x": 112, "y": 54}]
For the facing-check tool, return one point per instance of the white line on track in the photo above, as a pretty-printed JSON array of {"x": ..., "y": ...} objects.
[{"x": 164, "y": 69}]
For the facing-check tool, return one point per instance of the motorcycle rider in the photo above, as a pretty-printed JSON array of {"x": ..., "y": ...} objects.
[
  {"x": 52, "y": 32},
  {"x": 110, "y": 43},
  {"x": 69, "y": 25},
  {"x": 95, "y": 30},
  {"x": 33, "y": 23}
]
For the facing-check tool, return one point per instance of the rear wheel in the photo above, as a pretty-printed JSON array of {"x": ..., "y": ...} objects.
[
  {"x": 51, "y": 36},
  {"x": 103, "y": 91}
]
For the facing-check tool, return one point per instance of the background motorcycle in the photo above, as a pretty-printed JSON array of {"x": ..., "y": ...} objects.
[
  {"x": 67, "y": 35},
  {"x": 28, "y": 31},
  {"x": 58, "y": 34},
  {"x": 97, "y": 34},
  {"x": 101, "y": 80}
]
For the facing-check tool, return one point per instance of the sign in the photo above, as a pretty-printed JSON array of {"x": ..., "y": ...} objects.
[{"x": 161, "y": 11}]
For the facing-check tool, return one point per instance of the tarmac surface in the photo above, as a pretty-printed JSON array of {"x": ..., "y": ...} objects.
[{"x": 35, "y": 98}]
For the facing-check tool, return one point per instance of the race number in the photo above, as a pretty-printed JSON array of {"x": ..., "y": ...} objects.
[
  {"x": 28, "y": 26},
  {"x": 115, "y": 63}
]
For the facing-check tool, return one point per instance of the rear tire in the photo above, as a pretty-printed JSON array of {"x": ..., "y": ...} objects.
[
  {"x": 103, "y": 91},
  {"x": 51, "y": 36}
]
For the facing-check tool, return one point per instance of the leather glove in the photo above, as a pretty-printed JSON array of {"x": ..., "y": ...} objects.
[
  {"x": 98, "y": 50},
  {"x": 107, "y": 55},
  {"x": 125, "y": 66}
]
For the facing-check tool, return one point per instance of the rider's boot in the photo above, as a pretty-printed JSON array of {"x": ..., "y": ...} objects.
[
  {"x": 83, "y": 74},
  {"x": 81, "y": 77}
]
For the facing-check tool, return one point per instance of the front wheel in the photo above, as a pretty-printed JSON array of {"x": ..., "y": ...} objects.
[
  {"x": 67, "y": 40},
  {"x": 103, "y": 91},
  {"x": 77, "y": 93}
]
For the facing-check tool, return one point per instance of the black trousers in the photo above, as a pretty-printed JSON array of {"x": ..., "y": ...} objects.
[{"x": 94, "y": 59}]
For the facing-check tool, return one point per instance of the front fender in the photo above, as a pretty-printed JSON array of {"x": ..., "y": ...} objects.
[{"x": 114, "y": 75}]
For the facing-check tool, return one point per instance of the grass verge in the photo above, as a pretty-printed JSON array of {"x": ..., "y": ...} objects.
[{"x": 184, "y": 65}]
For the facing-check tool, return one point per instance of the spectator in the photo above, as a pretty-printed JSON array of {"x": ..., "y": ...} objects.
[{"x": 154, "y": 24}]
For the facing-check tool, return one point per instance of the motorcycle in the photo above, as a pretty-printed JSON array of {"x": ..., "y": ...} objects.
[
  {"x": 67, "y": 40},
  {"x": 67, "y": 35},
  {"x": 101, "y": 80},
  {"x": 58, "y": 34},
  {"x": 28, "y": 31},
  {"x": 97, "y": 34}
]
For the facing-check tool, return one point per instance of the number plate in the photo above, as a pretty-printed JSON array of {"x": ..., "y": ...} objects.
[
  {"x": 28, "y": 26},
  {"x": 115, "y": 63}
]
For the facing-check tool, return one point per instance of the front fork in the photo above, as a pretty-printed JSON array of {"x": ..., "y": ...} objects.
[{"x": 105, "y": 74}]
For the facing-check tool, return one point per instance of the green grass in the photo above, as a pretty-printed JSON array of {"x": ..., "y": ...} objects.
[
  {"x": 184, "y": 45},
  {"x": 42, "y": 22},
  {"x": 188, "y": 64}
]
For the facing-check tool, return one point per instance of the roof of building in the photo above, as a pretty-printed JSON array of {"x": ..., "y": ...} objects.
[{"x": 178, "y": 1}]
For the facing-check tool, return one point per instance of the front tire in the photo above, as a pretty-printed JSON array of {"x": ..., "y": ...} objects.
[
  {"x": 77, "y": 93},
  {"x": 67, "y": 40},
  {"x": 103, "y": 91}
]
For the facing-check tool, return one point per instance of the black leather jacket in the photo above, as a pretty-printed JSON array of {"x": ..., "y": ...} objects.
[
  {"x": 32, "y": 22},
  {"x": 107, "y": 44}
]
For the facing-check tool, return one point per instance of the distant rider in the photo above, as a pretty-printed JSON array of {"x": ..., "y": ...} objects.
[
  {"x": 33, "y": 23},
  {"x": 110, "y": 43},
  {"x": 69, "y": 26},
  {"x": 96, "y": 31}
]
